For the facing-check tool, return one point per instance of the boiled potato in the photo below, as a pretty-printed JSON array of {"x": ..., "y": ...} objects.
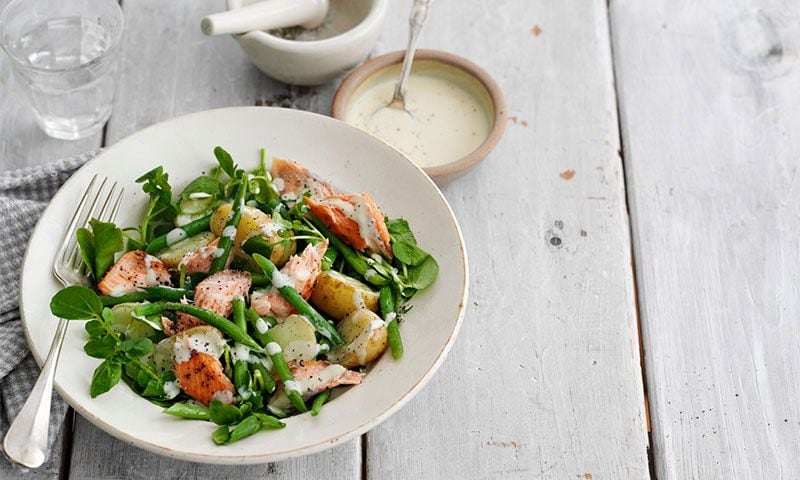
[
  {"x": 296, "y": 338},
  {"x": 125, "y": 323},
  {"x": 339, "y": 295},
  {"x": 172, "y": 256},
  {"x": 252, "y": 219},
  {"x": 365, "y": 333}
]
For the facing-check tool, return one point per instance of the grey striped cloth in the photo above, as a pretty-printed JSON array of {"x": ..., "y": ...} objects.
[{"x": 23, "y": 196}]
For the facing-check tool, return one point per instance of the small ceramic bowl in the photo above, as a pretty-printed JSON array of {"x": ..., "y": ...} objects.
[
  {"x": 349, "y": 90},
  {"x": 317, "y": 61}
]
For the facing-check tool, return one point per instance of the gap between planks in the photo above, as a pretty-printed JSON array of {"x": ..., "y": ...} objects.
[{"x": 621, "y": 153}]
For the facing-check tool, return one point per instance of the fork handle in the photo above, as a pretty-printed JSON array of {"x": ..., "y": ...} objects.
[{"x": 26, "y": 439}]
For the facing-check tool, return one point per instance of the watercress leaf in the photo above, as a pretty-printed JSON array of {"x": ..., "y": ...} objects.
[
  {"x": 409, "y": 253},
  {"x": 154, "y": 388},
  {"x": 108, "y": 241},
  {"x": 108, "y": 316},
  {"x": 224, "y": 414},
  {"x": 221, "y": 435},
  {"x": 76, "y": 303},
  {"x": 105, "y": 376},
  {"x": 225, "y": 161},
  {"x": 137, "y": 347},
  {"x": 86, "y": 243},
  {"x": 423, "y": 276},
  {"x": 400, "y": 231},
  {"x": 203, "y": 184},
  {"x": 102, "y": 347},
  {"x": 142, "y": 377},
  {"x": 95, "y": 328},
  {"x": 244, "y": 429},
  {"x": 156, "y": 184}
]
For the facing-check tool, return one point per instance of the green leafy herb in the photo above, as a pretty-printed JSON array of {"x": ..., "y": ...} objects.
[
  {"x": 207, "y": 185},
  {"x": 400, "y": 231},
  {"x": 106, "y": 375},
  {"x": 156, "y": 184},
  {"x": 423, "y": 276},
  {"x": 224, "y": 414},
  {"x": 99, "y": 245},
  {"x": 76, "y": 303},
  {"x": 103, "y": 347},
  {"x": 225, "y": 161},
  {"x": 137, "y": 347},
  {"x": 409, "y": 253}
]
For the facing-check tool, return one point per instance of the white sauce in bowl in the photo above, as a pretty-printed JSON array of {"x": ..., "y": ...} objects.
[{"x": 451, "y": 112}]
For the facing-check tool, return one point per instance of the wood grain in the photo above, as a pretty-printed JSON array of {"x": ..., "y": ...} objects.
[
  {"x": 709, "y": 104},
  {"x": 544, "y": 380},
  {"x": 194, "y": 73}
]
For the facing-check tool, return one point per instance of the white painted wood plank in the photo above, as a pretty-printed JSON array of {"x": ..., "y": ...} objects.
[
  {"x": 168, "y": 69},
  {"x": 544, "y": 379},
  {"x": 709, "y": 103}
]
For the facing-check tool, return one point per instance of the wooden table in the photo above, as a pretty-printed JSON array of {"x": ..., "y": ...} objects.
[{"x": 634, "y": 236}]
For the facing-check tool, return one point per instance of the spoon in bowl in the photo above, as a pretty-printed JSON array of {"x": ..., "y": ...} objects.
[{"x": 419, "y": 14}]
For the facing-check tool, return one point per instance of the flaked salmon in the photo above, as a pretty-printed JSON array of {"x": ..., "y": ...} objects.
[
  {"x": 303, "y": 271},
  {"x": 132, "y": 272},
  {"x": 199, "y": 261},
  {"x": 356, "y": 219},
  {"x": 293, "y": 180},
  {"x": 216, "y": 294},
  {"x": 197, "y": 367}
]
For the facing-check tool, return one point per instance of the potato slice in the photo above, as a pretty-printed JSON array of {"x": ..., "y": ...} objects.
[
  {"x": 163, "y": 357},
  {"x": 296, "y": 338},
  {"x": 172, "y": 256},
  {"x": 251, "y": 224},
  {"x": 339, "y": 295},
  {"x": 365, "y": 333}
]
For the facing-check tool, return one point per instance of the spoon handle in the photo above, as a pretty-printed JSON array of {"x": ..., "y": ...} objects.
[{"x": 419, "y": 14}]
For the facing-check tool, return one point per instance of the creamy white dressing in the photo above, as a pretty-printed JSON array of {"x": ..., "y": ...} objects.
[
  {"x": 209, "y": 342},
  {"x": 451, "y": 112},
  {"x": 240, "y": 352},
  {"x": 292, "y": 386},
  {"x": 199, "y": 195},
  {"x": 229, "y": 232},
  {"x": 261, "y": 326},
  {"x": 151, "y": 278},
  {"x": 279, "y": 183},
  {"x": 171, "y": 390},
  {"x": 319, "y": 381},
  {"x": 218, "y": 252},
  {"x": 273, "y": 348},
  {"x": 184, "y": 218},
  {"x": 280, "y": 280},
  {"x": 390, "y": 316},
  {"x": 175, "y": 235},
  {"x": 358, "y": 300},
  {"x": 223, "y": 396}
]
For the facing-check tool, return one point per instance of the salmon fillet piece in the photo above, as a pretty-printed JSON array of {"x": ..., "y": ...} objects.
[
  {"x": 203, "y": 379},
  {"x": 215, "y": 294},
  {"x": 308, "y": 368},
  {"x": 132, "y": 272},
  {"x": 356, "y": 219},
  {"x": 303, "y": 270},
  {"x": 199, "y": 261},
  {"x": 294, "y": 180}
]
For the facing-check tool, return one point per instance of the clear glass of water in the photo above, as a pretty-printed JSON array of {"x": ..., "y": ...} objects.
[{"x": 64, "y": 56}]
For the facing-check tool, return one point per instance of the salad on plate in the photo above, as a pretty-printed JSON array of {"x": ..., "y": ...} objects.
[{"x": 248, "y": 297}]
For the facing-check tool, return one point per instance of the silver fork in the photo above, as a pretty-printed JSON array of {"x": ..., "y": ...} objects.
[{"x": 26, "y": 441}]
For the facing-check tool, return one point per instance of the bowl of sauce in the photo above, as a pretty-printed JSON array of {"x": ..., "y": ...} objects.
[{"x": 456, "y": 112}]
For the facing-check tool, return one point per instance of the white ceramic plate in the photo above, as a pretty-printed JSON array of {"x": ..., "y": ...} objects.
[{"x": 352, "y": 160}]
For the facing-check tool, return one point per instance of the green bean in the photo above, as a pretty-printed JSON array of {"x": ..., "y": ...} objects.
[
  {"x": 151, "y": 294},
  {"x": 185, "y": 410},
  {"x": 226, "y": 326},
  {"x": 324, "y": 327},
  {"x": 262, "y": 375},
  {"x": 241, "y": 372},
  {"x": 269, "y": 422},
  {"x": 254, "y": 317},
  {"x": 319, "y": 400},
  {"x": 226, "y": 241},
  {"x": 259, "y": 280},
  {"x": 392, "y": 329},
  {"x": 221, "y": 435},
  {"x": 278, "y": 361},
  {"x": 354, "y": 259},
  {"x": 244, "y": 429},
  {"x": 189, "y": 230},
  {"x": 257, "y": 244}
]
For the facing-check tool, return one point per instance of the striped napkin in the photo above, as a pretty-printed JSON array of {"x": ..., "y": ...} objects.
[{"x": 23, "y": 196}]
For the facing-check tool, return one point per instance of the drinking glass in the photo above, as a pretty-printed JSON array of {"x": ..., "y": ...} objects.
[{"x": 64, "y": 55}]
